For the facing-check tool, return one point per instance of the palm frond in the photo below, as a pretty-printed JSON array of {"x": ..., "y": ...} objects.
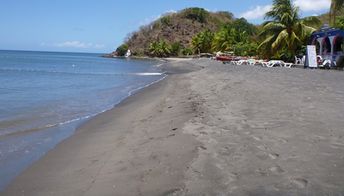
[
  {"x": 267, "y": 41},
  {"x": 280, "y": 41},
  {"x": 271, "y": 28}
]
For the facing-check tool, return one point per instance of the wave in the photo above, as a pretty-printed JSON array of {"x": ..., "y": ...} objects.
[
  {"x": 81, "y": 73},
  {"x": 148, "y": 74},
  {"x": 78, "y": 119}
]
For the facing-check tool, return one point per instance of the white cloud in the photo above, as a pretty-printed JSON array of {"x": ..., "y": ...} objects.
[
  {"x": 148, "y": 20},
  {"x": 99, "y": 46},
  {"x": 313, "y": 5},
  {"x": 171, "y": 12},
  {"x": 257, "y": 12},
  {"x": 75, "y": 44}
]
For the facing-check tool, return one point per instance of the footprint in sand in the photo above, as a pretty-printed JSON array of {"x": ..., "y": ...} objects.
[
  {"x": 261, "y": 172},
  {"x": 274, "y": 156},
  {"x": 202, "y": 148},
  {"x": 172, "y": 192},
  {"x": 337, "y": 145},
  {"x": 171, "y": 135},
  {"x": 262, "y": 155},
  {"x": 276, "y": 169},
  {"x": 257, "y": 138},
  {"x": 300, "y": 182}
]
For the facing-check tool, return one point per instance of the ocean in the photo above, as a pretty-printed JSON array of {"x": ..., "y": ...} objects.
[{"x": 45, "y": 96}]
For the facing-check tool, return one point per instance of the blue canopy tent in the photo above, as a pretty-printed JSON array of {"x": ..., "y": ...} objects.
[{"x": 329, "y": 43}]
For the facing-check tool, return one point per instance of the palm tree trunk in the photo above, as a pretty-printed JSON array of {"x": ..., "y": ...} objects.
[
  {"x": 332, "y": 13},
  {"x": 336, "y": 5}
]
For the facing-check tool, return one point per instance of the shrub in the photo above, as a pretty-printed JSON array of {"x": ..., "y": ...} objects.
[
  {"x": 202, "y": 41},
  {"x": 340, "y": 23},
  {"x": 187, "y": 51},
  {"x": 197, "y": 14},
  {"x": 165, "y": 20},
  {"x": 160, "y": 49},
  {"x": 245, "y": 49},
  {"x": 176, "y": 48},
  {"x": 122, "y": 50}
]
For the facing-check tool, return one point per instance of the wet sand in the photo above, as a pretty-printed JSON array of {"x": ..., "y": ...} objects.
[{"x": 208, "y": 129}]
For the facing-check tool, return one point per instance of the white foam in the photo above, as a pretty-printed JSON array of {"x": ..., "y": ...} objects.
[
  {"x": 137, "y": 89},
  {"x": 130, "y": 93},
  {"x": 158, "y": 65},
  {"x": 148, "y": 74}
]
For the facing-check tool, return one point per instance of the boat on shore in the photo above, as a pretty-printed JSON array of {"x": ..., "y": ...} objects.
[{"x": 224, "y": 58}]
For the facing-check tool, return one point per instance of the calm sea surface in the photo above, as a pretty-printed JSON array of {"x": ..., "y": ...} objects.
[{"x": 44, "y": 96}]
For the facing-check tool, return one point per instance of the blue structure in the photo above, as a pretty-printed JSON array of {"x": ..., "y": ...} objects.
[{"x": 329, "y": 43}]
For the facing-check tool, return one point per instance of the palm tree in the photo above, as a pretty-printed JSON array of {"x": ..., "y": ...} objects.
[
  {"x": 285, "y": 30},
  {"x": 224, "y": 39},
  {"x": 234, "y": 35},
  {"x": 160, "y": 48},
  {"x": 201, "y": 42},
  {"x": 336, "y": 5}
]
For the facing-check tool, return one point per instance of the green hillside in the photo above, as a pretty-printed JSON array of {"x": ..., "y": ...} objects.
[
  {"x": 176, "y": 28},
  {"x": 196, "y": 30}
]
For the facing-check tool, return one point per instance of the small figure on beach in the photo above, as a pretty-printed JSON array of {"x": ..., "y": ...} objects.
[{"x": 128, "y": 54}]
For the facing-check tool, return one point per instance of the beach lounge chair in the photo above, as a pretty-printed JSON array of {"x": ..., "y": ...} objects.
[
  {"x": 326, "y": 64},
  {"x": 263, "y": 63},
  {"x": 274, "y": 63},
  {"x": 298, "y": 61},
  {"x": 240, "y": 62},
  {"x": 251, "y": 62},
  {"x": 287, "y": 65},
  {"x": 280, "y": 63}
]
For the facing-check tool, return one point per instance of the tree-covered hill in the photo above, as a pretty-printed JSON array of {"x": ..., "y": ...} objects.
[
  {"x": 196, "y": 30},
  {"x": 177, "y": 29}
]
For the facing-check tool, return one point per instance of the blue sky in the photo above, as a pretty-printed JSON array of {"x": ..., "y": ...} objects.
[{"x": 100, "y": 26}]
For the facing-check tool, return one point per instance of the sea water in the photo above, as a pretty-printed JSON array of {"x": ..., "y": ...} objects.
[{"x": 44, "y": 96}]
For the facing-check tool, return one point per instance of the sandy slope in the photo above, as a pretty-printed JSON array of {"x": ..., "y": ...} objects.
[{"x": 209, "y": 129}]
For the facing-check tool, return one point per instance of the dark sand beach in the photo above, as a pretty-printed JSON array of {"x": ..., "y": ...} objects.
[{"x": 207, "y": 129}]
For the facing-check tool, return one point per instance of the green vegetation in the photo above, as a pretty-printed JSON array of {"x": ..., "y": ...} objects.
[
  {"x": 197, "y": 14},
  {"x": 237, "y": 37},
  {"x": 194, "y": 30},
  {"x": 336, "y": 6},
  {"x": 176, "y": 48},
  {"x": 160, "y": 48},
  {"x": 122, "y": 50},
  {"x": 174, "y": 28},
  {"x": 285, "y": 32},
  {"x": 187, "y": 51},
  {"x": 201, "y": 42},
  {"x": 340, "y": 22},
  {"x": 165, "y": 20}
]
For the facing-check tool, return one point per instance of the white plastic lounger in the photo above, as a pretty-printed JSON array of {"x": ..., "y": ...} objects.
[
  {"x": 273, "y": 63},
  {"x": 262, "y": 63},
  {"x": 287, "y": 65},
  {"x": 240, "y": 62},
  {"x": 251, "y": 62},
  {"x": 280, "y": 63},
  {"x": 298, "y": 61}
]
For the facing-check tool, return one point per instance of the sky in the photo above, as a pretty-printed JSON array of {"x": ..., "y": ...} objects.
[{"x": 101, "y": 25}]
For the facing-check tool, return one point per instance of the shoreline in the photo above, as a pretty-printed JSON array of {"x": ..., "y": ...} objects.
[
  {"x": 208, "y": 129},
  {"x": 92, "y": 123},
  {"x": 66, "y": 129}
]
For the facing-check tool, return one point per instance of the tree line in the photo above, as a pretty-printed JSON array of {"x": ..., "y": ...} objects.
[{"x": 283, "y": 35}]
